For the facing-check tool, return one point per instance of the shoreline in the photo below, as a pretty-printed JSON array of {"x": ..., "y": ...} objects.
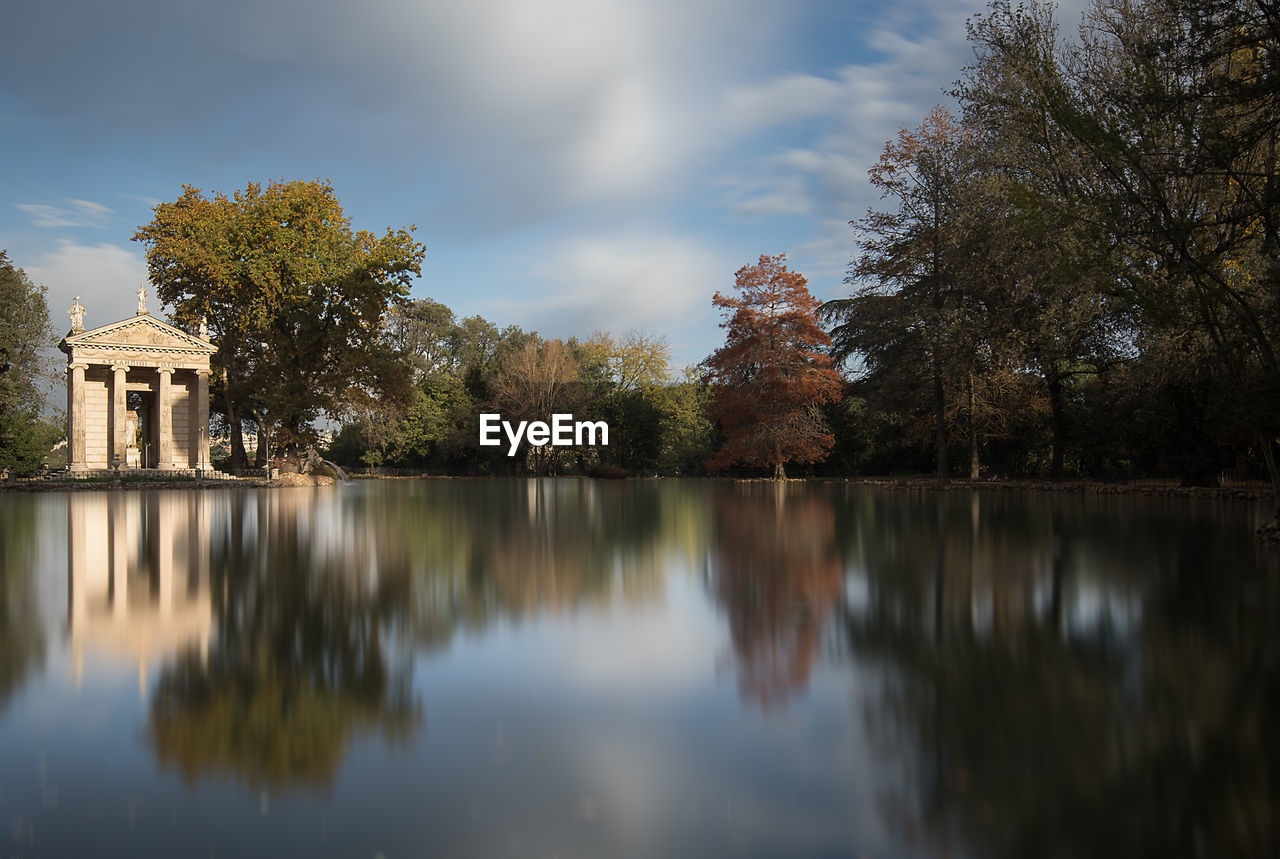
[
  {"x": 1068, "y": 487},
  {"x": 131, "y": 482},
  {"x": 912, "y": 484}
]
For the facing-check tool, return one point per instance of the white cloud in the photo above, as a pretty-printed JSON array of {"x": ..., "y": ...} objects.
[
  {"x": 150, "y": 202},
  {"x": 922, "y": 48},
  {"x": 104, "y": 276},
  {"x": 600, "y": 100},
  {"x": 755, "y": 198},
  {"x": 785, "y": 99},
  {"x": 617, "y": 283},
  {"x": 629, "y": 145},
  {"x": 69, "y": 213},
  {"x": 854, "y": 110}
]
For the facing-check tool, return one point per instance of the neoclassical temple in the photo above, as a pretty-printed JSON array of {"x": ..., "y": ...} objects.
[{"x": 167, "y": 426}]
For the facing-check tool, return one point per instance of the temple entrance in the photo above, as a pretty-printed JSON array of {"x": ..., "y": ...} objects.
[{"x": 143, "y": 433}]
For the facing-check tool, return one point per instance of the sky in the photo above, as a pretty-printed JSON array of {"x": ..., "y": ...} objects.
[{"x": 570, "y": 165}]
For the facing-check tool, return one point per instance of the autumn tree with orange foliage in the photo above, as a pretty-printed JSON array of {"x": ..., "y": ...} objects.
[{"x": 773, "y": 373}]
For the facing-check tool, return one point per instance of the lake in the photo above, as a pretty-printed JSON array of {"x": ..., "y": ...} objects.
[{"x": 638, "y": 669}]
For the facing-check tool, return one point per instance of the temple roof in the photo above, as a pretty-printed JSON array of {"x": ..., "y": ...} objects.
[{"x": 141, "y": 333}]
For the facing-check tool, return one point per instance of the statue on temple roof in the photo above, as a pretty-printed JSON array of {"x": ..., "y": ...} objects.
[{"x": 76, "y": 312}]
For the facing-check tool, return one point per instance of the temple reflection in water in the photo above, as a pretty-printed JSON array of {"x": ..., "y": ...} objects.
[{"x": 137, "y": 577}]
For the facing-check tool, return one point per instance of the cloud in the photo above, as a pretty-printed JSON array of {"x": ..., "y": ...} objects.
[
  {"x": 856, "y": 109},
  {"x": 757, "y": 198},
  {"x": 104, "y": 276},
  {"x": 150, "y": 202},
  {"x": 919, "y": 49},
  {"x": 633, "y": 281},
  {"x": 495, "y": 117},
  {"x": 560, "y": 102},
  {"x": 70, "y": 213},
  {"x": 785, "y": 99}
]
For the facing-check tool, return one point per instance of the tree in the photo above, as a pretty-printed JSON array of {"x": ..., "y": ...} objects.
[
  {"x": 773, "y": 374},
  {"x": 635, "y": 362},
  {"x": 25, "y": 337},
  {"x": 621, "y": 379},
  {"x": 449, "y": 368},
  {"x": 284, "y": 283},
  {"x": 1168, "y": 114},
  {"x": 535, "y": 382},
  {"x": 688, "y": 437},
  {"x": 917, "y": 284}
]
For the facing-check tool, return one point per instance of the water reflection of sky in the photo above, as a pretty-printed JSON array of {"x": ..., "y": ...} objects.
[{"x": 582, "y": 668}]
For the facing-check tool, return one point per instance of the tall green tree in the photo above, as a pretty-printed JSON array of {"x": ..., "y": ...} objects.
[
  {"x": 25, "y": 369},
  {"x": 688, "y": 436},
  {"x": 293, "y": 296},
  {"x": 621, "y": 377}
]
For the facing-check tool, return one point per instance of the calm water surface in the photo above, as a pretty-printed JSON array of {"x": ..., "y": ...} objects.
[{"x": 648, "y": 669}]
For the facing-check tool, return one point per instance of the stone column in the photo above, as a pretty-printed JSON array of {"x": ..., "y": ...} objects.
[
  {"x": 77, "y": 456},
  {"x": 117, "y": 425},
  {"x": 164, "y": 420},
  {"x": 199, "y": 420}
]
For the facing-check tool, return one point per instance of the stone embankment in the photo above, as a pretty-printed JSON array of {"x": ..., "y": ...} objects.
[{"x": 296, "y": 479}]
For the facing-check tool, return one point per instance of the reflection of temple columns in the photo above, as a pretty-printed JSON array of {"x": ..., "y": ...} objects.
[
  {"x": 120, "y": 527},
  {"x": 198, "y": 547},
  {"x": 164, "y": 419},
  {"x": 76, "y": 459},
  {"x": 137, "y": 578},
  {"x": 117, "y": 426},
  {"x": 162, "y": 533},
  {"x": 78, "y": 538}
]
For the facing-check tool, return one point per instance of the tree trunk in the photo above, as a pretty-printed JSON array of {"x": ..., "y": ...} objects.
[
  {"x": 940, "y": 422},
  {"x": 1054, "y": 380},
  {"x": 973, "y": 433},
  {"x": 1273, "y": 472},
  {"x": 238, "y": 457},
  {"x": 260, "y": 456}
]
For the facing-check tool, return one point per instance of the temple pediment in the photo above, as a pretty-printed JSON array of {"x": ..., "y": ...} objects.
[{"x": 140, "y": 333}]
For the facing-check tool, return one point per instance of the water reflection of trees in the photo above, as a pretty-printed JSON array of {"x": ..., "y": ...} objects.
[
  {"x": 22, "y": 646},
  {"x": 300, "y": 664},
  {"x": 321, "y": 599},
  {"x": 1053, "y": 703},
  {"x": 477, "y": 552},
  {"x": 776, "y": 573}
]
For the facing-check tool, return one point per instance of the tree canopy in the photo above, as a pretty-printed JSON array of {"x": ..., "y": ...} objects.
[
  {"x": 912, "y": 307},
  {"x": 25, "y": 369},
  {"x": 295, "y": 299},
  {"x": 773, "y": 372}
]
